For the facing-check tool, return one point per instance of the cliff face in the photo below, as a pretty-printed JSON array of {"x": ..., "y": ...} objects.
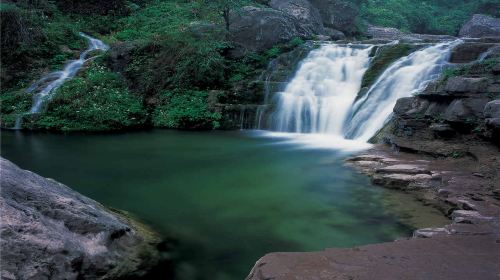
[{"x": 49, "y": 231}]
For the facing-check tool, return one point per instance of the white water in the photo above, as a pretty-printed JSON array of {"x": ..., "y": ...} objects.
[
  {"x": 43, "y": 90},
  {"x": 320, "y": 100}
]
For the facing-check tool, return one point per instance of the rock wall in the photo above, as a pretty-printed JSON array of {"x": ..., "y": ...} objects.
[{"x": 49, "y": 231}]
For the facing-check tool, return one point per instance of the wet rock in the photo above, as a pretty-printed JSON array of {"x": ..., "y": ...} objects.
[
  {"x": 52, "y": 232},
  {"x": 468, "y": 52},
  {"x": 398, "y": 181},
  {"x": 468, "y": 217},
  {"x": 481, "y": 26},
  {"x": 404, "y": 169},
  {"x": 466, "y": 205},
  {"x": 430, "y": 232}
]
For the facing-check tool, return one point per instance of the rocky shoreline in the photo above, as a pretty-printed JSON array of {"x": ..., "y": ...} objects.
[
  {"x": 52, "y": 232},
  {"x": 465, "y": 190}
]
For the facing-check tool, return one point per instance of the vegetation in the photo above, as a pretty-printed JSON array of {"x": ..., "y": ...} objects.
[
  {"x": 185, "y": 110},
  {"x": 178, "y": 55},
  {"x": 475, "y": 68},
  {"x": 96, "y": 101},
  {"x": 386, "y": 55},
  {"x": 424, "y": 16}
]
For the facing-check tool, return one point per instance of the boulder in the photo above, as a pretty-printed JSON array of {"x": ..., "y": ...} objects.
[
  {"x": 468, "y": 52},
  {"x": 307, "y": 17},
  {"x": 465, "y": 110},
  {"x": 255, "y": 29},
  {"x": 337, "y": 14},
  {"x": 481, "y": 26},
  {"x": 465, "y": 84},
  {"x": 52, "y": 232},
  {"x": 334, "y": 34},
  {"x": 120, "y": 55}
]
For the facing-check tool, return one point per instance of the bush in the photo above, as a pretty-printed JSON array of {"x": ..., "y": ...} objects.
[
  {"x": 97, "y": 101},
  {"x": 185, "y": 110}
]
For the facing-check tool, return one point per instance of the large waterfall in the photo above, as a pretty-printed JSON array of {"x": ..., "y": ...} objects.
[
  {"x": 320, "y": 101},
  {"x": 44, "y": 89}
]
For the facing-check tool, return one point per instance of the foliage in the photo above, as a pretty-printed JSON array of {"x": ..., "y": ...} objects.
[
  {"x": 97, "y": 101},
  {"x": 424, "y": 16},
  {"x": 475, "y": 68},
  {"x": 185, "y": 110}
]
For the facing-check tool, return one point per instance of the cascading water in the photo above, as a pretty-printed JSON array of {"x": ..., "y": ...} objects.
[
  {"x": 318, "y": 99},
  {"x": 404, "y": 78},
  {"x": 321, "y": 98},
  {"x": 44, "y": 89}
]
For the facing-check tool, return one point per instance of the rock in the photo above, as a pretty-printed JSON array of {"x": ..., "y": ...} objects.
[
  {"x": 404, "y": 169},
  {"x": 481, "y": 26},
  {"x": 120, "y": 55},
  {"x": 468, "y": 217},
  {"x": 492, "y": 109},
  {"x": 429, "y": 232},
  {"x": 255, "y": 29},
  {"x": 442, "y": 130},
  {"x": 52, "y": 232},
  {"x": 389, "y": 33},
  {"x": 469, "y": 52},
  {"x": 334, "y": 34},
  {"x": 465, "y": 84},
  {"x": 466, "y": 110},
  {"x": 398, "y": 181},
  {"x": 492, "y": 115},
  {"x": 337, "y": 14},
  {"x": 306, "y": 16},
  {"x": 465, "y": 205}
]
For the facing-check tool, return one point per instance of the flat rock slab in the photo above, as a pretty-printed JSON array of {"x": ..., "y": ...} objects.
[
  {"x": 451, "y": 257},
  {"x": 404, "y": 169}
]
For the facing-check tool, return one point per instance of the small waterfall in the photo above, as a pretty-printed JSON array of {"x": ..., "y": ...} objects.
[
  {"x": 321, "y": 98},
  {"x": 318, "y": 99},
  {"x": 44, "y": 89}
]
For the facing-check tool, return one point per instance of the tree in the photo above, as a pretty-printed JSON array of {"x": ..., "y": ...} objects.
[{"x": 223, "y": 7}]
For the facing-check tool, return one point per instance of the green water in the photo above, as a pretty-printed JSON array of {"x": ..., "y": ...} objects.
[{"x": 228, "y": 197}]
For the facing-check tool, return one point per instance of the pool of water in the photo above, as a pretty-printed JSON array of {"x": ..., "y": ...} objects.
[{"x": 228, "y": 197}]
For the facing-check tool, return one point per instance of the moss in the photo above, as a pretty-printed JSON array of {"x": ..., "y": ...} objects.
[{"x": 385, "y": 56}]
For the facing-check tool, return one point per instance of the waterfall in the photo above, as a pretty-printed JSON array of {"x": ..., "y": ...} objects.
[
  {"x": 321, "y": 98},
  {"x": 44, "y": 89}
]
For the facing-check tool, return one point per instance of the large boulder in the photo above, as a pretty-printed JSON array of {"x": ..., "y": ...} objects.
[
  {"x": 52, "y": 232},
  {"x": 481, "y": 26},
  {"x": 255, "y": 29},
  {"x": 470, "y": 51},
  {"x": 306, "y": 16},
  {"x": 337, "y": 14}
]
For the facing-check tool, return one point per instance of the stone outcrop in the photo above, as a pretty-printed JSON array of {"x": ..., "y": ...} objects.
[
  {"x": 389, "y": 33},
  {"x": 337, "y": 14},
  {"x": 447, "y": 258},
  {"x": 255, "y": 29},
  {"x": 457, "y": 109},
  {"x": 306, "y": 15},
  {"x": 49, "y": 231},
  {"x": 481, "y": 26}
]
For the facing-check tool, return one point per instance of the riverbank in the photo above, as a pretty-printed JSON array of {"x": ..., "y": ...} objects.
[{"x": 463, "y": 189}]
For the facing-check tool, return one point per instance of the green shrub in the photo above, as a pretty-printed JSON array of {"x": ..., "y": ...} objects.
[
  {"x": 96, "y": 101},
  {"x": 185, "y": 110}
]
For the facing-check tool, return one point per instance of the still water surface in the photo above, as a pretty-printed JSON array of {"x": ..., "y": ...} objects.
[{"x": 229, "y": 197}]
